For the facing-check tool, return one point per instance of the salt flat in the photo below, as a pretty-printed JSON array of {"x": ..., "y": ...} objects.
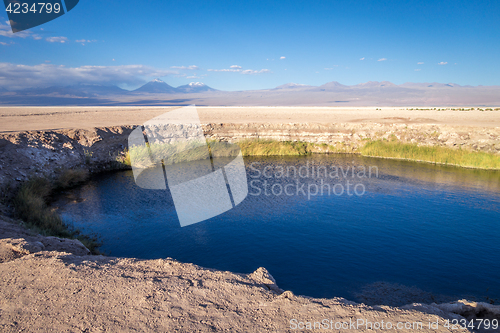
[{"x": 14, "y": 119}]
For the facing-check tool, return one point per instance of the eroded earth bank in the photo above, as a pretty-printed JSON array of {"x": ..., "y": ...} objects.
[{"x": 50, "y": 284}]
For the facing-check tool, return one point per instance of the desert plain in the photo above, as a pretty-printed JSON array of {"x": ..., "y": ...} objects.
[{"x": 14, "y": 119}]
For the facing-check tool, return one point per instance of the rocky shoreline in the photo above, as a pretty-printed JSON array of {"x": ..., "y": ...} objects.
[{"x": 49, "y": 282}]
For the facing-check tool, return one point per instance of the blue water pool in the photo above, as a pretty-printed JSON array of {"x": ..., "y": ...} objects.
[{"x": 435, "y": 228}]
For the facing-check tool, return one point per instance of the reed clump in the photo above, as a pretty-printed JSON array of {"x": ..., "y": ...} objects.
[
  {"x": 274, "y": 148},
  {"x": 31, "y": 204},
  {"x": 175, "y": 153},
  {"x": 431, "y": 154},
  {"x": 393, "y": 148}
]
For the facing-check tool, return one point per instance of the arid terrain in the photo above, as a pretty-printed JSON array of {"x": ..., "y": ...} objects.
[
  {"x": 44, "y": 118},
  {"x": 53, "y": 285}
]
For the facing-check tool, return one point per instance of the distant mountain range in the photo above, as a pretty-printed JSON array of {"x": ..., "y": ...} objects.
[
  {"x": 158, "y": 92},
  {"x": 156, "y": 86},
  {"x": 195, "y": 87},
  {"x": 80, "y": 90}
]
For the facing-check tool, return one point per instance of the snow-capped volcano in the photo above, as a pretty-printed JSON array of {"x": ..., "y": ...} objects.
[
  {"x": 195, "y": 87},
  {"x": 156, "y": 86},
  {"x": 197, "y": 84}
]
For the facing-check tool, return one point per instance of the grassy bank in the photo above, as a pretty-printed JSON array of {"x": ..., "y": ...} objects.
[
  {"x": 31, "y": 204},
  {"x": 174, "y": 153},
  {"x": 275, "y": 148},
  {"x": 377, "y": 148},
  {"x": 438, "y": 155},
  {"x": 372, "y": 148}
]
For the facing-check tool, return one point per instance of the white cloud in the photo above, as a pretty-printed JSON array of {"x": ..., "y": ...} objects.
[
  {"x": 225, "y": 70},
  {"x": 2, "y": 43},
  {"x": 362, "y": 58},
  {"x": 420, "y": 63},
  {"x": 330, "y": 68},
  {"x": 382, "y": 59},
  {"x": 281, "y": 58},
  {"x": 193, "y": 77},
  {"x": 192, "y": 67},
  {"x": 251, "y": 71},
  {"x": 417, "y": 70},
  {"x": 84, "y": 41},
  {"x": 6, "y": 31},
  {"x": 23, "y": 76},
  {"x": 443, "y": 63},
  {"x": 235, "y": 66},
  {"x": 237, "y": 69},
  {"x": 56, "y": 39}
]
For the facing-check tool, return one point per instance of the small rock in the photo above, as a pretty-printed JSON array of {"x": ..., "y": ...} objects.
[
  {"x": 262, "y": 276},
  {"x": 73, "y": 246},
  {"x": 23, "y": 246},
  {"x": 287, "y": 294}
]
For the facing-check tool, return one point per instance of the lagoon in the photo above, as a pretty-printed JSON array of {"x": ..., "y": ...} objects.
[{"x": 319, "y": 233}]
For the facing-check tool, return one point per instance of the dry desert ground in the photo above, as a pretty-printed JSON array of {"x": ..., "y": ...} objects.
[{"x": 46, "y": 118}]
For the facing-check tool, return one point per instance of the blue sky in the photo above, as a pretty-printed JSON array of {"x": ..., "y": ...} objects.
[{"x": 268, "y": 43}]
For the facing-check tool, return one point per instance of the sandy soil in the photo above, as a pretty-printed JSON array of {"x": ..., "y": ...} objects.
[
  {"x": 51, "y": 290},
  {"x": 15, "y": 119}
]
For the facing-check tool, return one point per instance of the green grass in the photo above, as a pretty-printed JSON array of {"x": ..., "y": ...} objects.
[
  {"x": 381, "y": 148},
  {"x": 293, "y": 148},
  {"x": 274, "y": 148},
  {"x": 438, "y": 155},
  {"x": 190, "y": 152},
  {"x": 31, "y": 204},
  {"x": 176, "y": 153},
  {"x": 70, "y": 177},
  {"x": 171, "y": 153}
]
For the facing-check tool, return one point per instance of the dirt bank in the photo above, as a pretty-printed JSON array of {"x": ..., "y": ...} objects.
[{"x": 55, "y": 291}]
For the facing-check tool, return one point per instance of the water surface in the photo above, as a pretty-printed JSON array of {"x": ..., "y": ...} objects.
[{"x": 433, "y": 227}]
